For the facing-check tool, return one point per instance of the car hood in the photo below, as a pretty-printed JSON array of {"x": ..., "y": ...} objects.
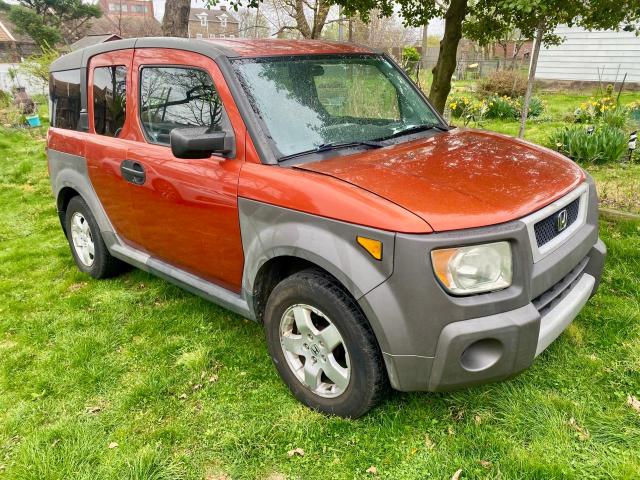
[{"x": 461, "y": 178}]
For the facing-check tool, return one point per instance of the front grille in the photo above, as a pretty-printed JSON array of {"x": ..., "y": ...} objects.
[
  {"x": 546, "y": 229},
  {"x": 550, "y": 298}
]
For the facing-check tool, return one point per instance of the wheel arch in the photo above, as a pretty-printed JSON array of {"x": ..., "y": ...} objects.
[
  {"x": 70, "y": 177},
  {"x": 62, "y": 201},
  {"x": 280, "y": 266}
]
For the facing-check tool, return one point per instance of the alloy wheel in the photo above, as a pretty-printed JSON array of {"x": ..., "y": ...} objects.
[
  {"x": 82, "y": 239},
  {"x": 315, "y": 350}
]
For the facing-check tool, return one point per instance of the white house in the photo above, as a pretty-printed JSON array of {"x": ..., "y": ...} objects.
[{"x": 584, "y": 53}]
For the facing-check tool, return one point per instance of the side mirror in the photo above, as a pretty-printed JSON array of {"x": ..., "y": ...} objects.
[{"x": 199, "y": 142}]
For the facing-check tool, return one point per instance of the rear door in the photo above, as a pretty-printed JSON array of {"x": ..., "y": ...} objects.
[
  {"x": 109, "y": 104},
  {"x": 187, "y": 209}
]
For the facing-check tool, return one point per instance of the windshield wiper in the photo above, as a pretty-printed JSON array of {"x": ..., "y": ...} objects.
[
  {"x": 326, "y": 147},
  {"x": 415, "y": 129}
]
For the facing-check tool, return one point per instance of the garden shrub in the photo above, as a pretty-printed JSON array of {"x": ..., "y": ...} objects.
[
  {"x": 616, "y": 117},
  {"x": 503, "y": 108},
  {"x": 593, "y": 109},
  {"x": 467, "y": 108},
  {"x": 634, "y": 111},
  {"x": 503, "y": 83},
  {"x": 494, "y": 107},
  {"x": 410, "y": 54},
  {"x": 536, "y": 107},
  {"x": 606, "y": 144},
  {"x": 5, "y": 99}
]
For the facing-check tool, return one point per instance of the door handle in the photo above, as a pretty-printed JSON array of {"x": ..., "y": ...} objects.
[{"x": 133, "y": 172}]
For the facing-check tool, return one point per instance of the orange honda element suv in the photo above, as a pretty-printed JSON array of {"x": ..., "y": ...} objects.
[{"x": 311, "y": 187}]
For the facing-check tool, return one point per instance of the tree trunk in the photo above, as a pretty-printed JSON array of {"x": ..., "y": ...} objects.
[
  {"x": 320, "y": 18},
  {"x": 175, "y": 22},
  {"x": 532, "y": 76},
  {"x": 446, "y": 64}
]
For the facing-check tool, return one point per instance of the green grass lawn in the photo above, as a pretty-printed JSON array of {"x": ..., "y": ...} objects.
[{"x": 133, "y": 378}]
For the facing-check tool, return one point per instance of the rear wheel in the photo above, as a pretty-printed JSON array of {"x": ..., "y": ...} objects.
[
  {"x": 87, "y": 247},
  {"x": 323, "y": 346}
]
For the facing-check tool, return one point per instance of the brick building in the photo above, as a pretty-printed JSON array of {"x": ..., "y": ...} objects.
[
  {"x": 219, "y": 23},
  {"x": 128, "y": 8}
]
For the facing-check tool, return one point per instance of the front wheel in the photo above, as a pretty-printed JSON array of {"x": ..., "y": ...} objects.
[{"x": 323, "y": 346}]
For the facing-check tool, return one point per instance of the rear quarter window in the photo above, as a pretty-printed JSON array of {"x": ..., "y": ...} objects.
[
  {"x": 109, "y": 99},
  {"x": 64, "y": 92}
]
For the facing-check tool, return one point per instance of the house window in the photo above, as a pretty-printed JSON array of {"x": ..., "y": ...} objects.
[
  {"x": 203, "y": 19},
  {"x": 212, "y": 35},
  {"x": 124, "y": 8},
  {"x": 223, "y": 20},
  {"x": 113, "y": 7},
  {"x": 198, "y": 35}
]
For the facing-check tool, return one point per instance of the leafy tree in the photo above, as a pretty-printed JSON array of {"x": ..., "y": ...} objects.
[
  {"x": 410, "y": 53},
  {"x": 28, "y": 22},
  {"x": 50, "y": 21},
  {"x": 69, "y": 16}
]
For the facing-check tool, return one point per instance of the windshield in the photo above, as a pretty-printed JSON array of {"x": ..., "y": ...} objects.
[{"x": 307, "y": 102}]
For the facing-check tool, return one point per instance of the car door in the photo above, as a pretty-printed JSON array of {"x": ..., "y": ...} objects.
[
  {"x": 109, "y": 101},
  {"x": 187, "y": 209}
]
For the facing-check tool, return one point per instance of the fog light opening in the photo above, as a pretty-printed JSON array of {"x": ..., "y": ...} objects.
[{"x": 481, "y": 355}]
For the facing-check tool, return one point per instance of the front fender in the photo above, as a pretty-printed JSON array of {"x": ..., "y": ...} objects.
[{"x": 269, "y": 231}]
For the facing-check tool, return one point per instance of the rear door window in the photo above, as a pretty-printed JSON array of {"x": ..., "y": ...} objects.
[
  {"x": 175, "y": 97},
  {"x": 64, "y": 93},
  {"x": 109, "y": 99}
]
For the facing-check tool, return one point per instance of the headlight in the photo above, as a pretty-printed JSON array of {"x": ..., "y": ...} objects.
[{"x": 473, "y": 269}]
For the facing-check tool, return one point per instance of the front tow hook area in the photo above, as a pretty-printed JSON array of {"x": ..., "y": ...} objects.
[{"x": 485, "y": 349}]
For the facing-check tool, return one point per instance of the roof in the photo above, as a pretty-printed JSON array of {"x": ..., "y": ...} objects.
[
  {"x": 89, "y": 40},
  {"x": 265, "y": 47},
  {"x": 240, "y": 47},
  {"x": 212, "y": 15},
  {"x": 8, "y": 33}
]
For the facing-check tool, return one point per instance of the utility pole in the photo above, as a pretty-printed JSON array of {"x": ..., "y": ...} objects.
[
  {"x": 340, "y": 25},
  {"x": 255, "y": 29},
  {"x": 423, "y": 57},
  {"x": 532, "y": 76}
]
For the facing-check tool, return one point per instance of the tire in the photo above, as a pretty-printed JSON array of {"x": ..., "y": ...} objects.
[
  {"x": 82, "y": 231},
  {"x": 298, "y": 355}
]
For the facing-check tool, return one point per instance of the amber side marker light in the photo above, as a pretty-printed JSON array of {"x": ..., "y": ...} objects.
[{"x": 374, "y": 247}]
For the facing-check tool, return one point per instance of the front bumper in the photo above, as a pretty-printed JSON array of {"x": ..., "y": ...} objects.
[
  {"x": 498, "y": 346},
  {"x": 433, "y": 341}
]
